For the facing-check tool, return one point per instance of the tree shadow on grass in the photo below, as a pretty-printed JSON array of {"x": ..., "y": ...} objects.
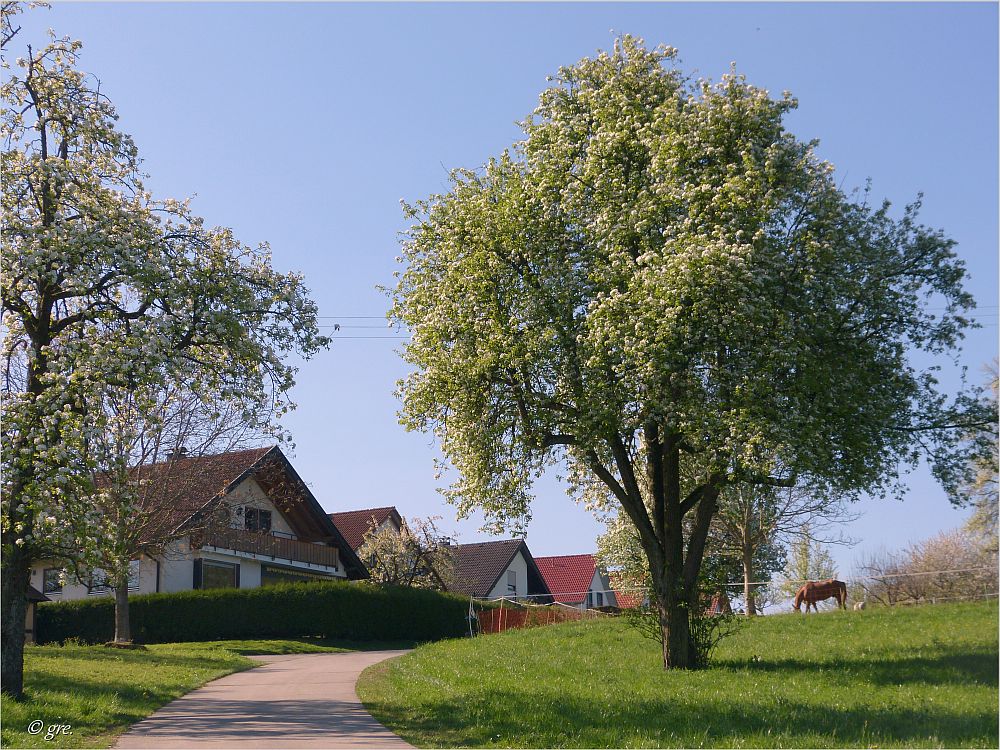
[
  {"x": 133, "y": 699},
  {"x": 495, "y": 718},
  {"x": 950, "y": 665}
]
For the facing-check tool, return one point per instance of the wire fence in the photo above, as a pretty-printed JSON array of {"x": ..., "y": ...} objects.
[{"x": 581, "y": 595}]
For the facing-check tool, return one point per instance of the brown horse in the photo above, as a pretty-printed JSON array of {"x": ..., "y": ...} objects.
[{"x": 815, "y": 591}]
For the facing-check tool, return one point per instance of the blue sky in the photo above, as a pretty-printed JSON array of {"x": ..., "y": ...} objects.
[{"x": 305, "y": 124}]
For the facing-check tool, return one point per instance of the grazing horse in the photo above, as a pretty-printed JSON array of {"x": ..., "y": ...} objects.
[{"x": 815, "y": 591}]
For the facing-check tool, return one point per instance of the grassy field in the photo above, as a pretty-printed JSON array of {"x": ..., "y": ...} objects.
[
  {"x": 905, "y": 677},
  {"x": 99, "y": 691}
]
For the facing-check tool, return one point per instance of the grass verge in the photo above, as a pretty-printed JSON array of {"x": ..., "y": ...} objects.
[
  {"x": 913, "y": 677},
  {"x": 100, "y": 691}
]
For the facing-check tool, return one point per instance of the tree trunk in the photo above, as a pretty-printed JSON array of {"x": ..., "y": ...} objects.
[
  {"x": 13, "y": 591},
  {"x": 748, "y": 593},
  {"x": 123, "y": 628},
  {"x": 674, "y": 605}
]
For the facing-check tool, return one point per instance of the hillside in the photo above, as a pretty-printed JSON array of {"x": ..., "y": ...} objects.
[{"x": 924, "y": 676}]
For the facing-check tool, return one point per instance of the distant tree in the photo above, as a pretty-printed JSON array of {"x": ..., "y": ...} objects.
[
  {"x": 755, "y": 524},
  {"x": 808, "y": 560},
  {"x": 619, "y": 549},
  {"x": 662, "y": 289},
  {"x": 103, "y": 286},
  {"x": 983, "y": 490},
  {"x": 953, "y": 564},
  {"x": 417, "y": 556}
]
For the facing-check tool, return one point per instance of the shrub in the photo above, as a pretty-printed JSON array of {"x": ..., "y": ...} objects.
[{"x": 325, "y": 609}]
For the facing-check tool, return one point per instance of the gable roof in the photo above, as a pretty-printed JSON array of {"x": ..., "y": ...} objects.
[
  {"x": 354, "y": 524},
  {"x": 568, "y": 576},
  {"x": 188, "y": 487},
  {"x": 182, "y": 487},
  {"x": 478, "y": 567}
]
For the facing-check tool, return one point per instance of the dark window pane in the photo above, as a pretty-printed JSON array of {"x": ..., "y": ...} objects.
[
  {"x": 216, "y": 575},
  {"x": 256, "y": 519},
  {"x": 51, "y": 581}
]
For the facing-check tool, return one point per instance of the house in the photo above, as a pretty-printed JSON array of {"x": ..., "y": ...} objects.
[
  {"x": 354, "y": 524},
  {"x": 504, "y": 568},
  {"x": 575, "y": 580},
  {"x": 272, "y": 530}
]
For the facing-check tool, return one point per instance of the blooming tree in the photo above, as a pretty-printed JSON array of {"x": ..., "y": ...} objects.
[
  {"x": 103, "y": 285},
  {"x": 663, "y": 290},
  {"x": 417, "y": 556}
]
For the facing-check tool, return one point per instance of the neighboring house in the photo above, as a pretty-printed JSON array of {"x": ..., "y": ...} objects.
[
  {"x": 277, "y": 531},
  {"x": 505, "y": 568},
  {"x": 575, "y": 580},
  {"x": 354, "y": 524}
]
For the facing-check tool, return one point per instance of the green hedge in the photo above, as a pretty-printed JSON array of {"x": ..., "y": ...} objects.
[{"x": 353, "y": 611}]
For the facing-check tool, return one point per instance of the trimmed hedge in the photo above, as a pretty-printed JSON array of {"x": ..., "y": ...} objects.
[{"x": 353, "y": 611}]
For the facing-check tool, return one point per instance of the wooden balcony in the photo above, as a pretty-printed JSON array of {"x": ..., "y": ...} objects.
[{"x": 272, "y": 547}]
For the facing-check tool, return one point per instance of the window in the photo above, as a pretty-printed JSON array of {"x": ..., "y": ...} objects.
[
  {"x": 218, "y": 575},
  {"x": 255, "y": 519},
  {"x": 590, "y": 599},
  {"x": 133, "y": 575},
  {"x": 512, "y": 582},
  {"x": 98, "y": 583},
  {"x": 52, "y": 581},
  {"x": 600, "y": 598}
]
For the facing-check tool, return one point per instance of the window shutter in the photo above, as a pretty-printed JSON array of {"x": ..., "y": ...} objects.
[
  {"x": 237, "y": 575},
  {"x": 197, "y": 574}
]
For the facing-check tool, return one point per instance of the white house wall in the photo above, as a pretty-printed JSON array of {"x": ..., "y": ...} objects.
[
  {"x": 74, "y": 590},
  {"x": 176, "y": 563},
  {"x": 177, "y": 567},
  {"x": 520, "y": 566},
  {"x": 601, "y": 583},
  {"x": 249, "y": 493}
]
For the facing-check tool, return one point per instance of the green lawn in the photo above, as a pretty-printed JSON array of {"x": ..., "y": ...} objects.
[
  {"x": 99, "y": 691},
  {"x": 906, "y": 677}
]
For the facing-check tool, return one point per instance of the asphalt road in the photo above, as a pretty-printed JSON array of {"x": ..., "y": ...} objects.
[{"x": 304, "y": 700}]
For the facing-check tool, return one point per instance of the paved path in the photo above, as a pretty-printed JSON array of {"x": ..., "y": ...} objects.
[{"x": 305, "y": 700}]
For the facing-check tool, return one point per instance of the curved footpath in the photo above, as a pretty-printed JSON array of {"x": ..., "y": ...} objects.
[{"x": 303, "y": 700}]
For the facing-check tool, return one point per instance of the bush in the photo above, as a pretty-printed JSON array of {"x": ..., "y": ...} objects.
[{"x": 351, "y": 611}]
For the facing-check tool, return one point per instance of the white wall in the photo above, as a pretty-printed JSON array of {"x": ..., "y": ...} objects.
[
  {"x": 76, "y": 590},
  {"x": 249, "y": 493},
  {"x": 176, "y": 563},
  {"x": 520, "y": 566},
  {"x": 601, "y": 583}
]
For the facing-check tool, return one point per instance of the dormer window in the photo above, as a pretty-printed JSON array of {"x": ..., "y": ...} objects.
[{"x": 255, "y": 519}]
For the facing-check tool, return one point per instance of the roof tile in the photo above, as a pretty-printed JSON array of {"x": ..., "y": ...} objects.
[
  {"x": 568, "y": 576},
  {"x": 354, "y": 524}
]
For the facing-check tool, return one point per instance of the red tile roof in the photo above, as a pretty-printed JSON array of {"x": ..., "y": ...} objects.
[
  {"x": 478, "y": 567},
  {"x": 568, "y": 576},
  {"x": 629, "y": 599},
  {"x": 354, "y": 524}
]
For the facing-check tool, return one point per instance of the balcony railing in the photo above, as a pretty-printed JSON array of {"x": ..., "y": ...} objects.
[{"x": 277, "y": 548}]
